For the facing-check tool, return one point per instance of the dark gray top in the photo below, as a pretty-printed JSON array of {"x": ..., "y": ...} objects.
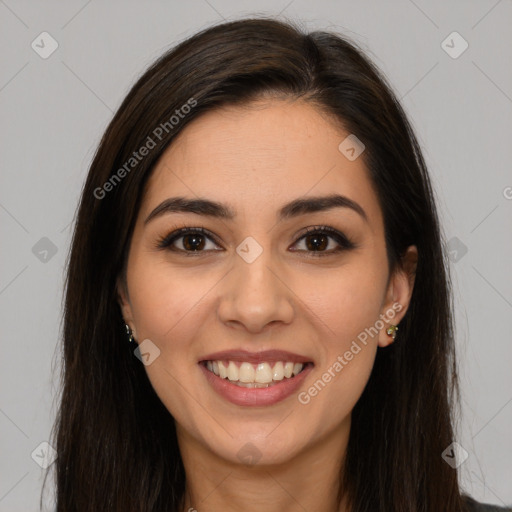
[{"x": 475, "y": 506}]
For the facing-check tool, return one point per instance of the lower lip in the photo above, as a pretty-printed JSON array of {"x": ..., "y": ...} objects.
[{"x": 255, "y": 396}]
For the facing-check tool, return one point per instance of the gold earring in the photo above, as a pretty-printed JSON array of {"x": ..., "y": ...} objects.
[
  {"x": 391, "y": 331},
  {"x": 129, "y": 333}
]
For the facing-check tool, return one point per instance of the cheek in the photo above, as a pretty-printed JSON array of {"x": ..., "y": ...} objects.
[
  {"x": 330, "y": 397},
  {"x": 347, "y": 301},
  {"x": 165, "y": 303},
  {"x": 348, "y": 305},
  {"x": 168, "y": 308}
]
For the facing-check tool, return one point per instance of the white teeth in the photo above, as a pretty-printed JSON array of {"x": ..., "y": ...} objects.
[
  {"x": 278, "y": 371},
  {"x": 249, "y": 375},
  {"x": 252, "y": 384},
  {"x": 246, "y": 373},
  {"x": 288, "y": 370},
  {"x": 223, "y": 371},
  {"x": 232, "y": 371},
  {"x": 263, "y": 373}
]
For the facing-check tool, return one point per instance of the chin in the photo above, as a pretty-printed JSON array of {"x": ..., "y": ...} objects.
[{"x": 258, "y": 450}]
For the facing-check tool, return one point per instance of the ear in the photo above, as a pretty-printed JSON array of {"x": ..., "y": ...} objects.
[
  {"x": 398, "y": 294},
  {"x": 125, "y": 305}
]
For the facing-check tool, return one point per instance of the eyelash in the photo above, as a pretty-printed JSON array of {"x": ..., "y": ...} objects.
[{"x": 345, "y": 243}]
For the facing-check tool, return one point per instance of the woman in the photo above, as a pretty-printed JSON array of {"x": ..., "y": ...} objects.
[{"x": 257, "y": 309}]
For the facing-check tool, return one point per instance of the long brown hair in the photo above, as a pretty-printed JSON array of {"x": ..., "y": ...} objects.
[{"x": 116, "y": 442}]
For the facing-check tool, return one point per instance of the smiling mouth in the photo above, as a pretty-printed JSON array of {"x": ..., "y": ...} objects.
[{"x": 261, "y": 375}]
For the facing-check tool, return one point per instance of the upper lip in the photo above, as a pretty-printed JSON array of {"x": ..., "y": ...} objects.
[{"x": 269, "y": 356}]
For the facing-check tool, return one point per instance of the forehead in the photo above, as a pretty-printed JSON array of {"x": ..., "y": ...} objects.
[{"x": 260, "y": 156}]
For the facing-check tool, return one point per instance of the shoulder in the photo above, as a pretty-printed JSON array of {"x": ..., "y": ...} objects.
[{"x": 475, "y": 506}]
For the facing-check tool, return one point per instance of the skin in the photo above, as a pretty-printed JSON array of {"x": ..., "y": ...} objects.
[{"x": 255, "y": 159}]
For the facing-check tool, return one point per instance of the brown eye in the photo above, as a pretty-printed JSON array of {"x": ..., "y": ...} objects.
[
  {"x": 318, "y": 239},
  {"x": 317, "y": 242},
  {"x": 187, "y": 240},
  {"x": 193, "y": 242}
]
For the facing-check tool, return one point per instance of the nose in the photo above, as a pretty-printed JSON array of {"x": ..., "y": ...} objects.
[{"x": 255, "y": 295}]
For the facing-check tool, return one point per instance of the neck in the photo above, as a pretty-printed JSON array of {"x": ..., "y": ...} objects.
[{"x": 310, "y": 481}]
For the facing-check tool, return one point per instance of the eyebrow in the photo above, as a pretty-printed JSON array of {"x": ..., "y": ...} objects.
[{"x": 292, "y": 209}]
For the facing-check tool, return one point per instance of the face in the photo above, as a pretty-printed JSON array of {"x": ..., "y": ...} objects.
[{"x": 310, "y": 280}]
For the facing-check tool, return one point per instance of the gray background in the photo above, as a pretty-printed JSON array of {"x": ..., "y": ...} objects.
[{"x": 54, "y": 110}]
